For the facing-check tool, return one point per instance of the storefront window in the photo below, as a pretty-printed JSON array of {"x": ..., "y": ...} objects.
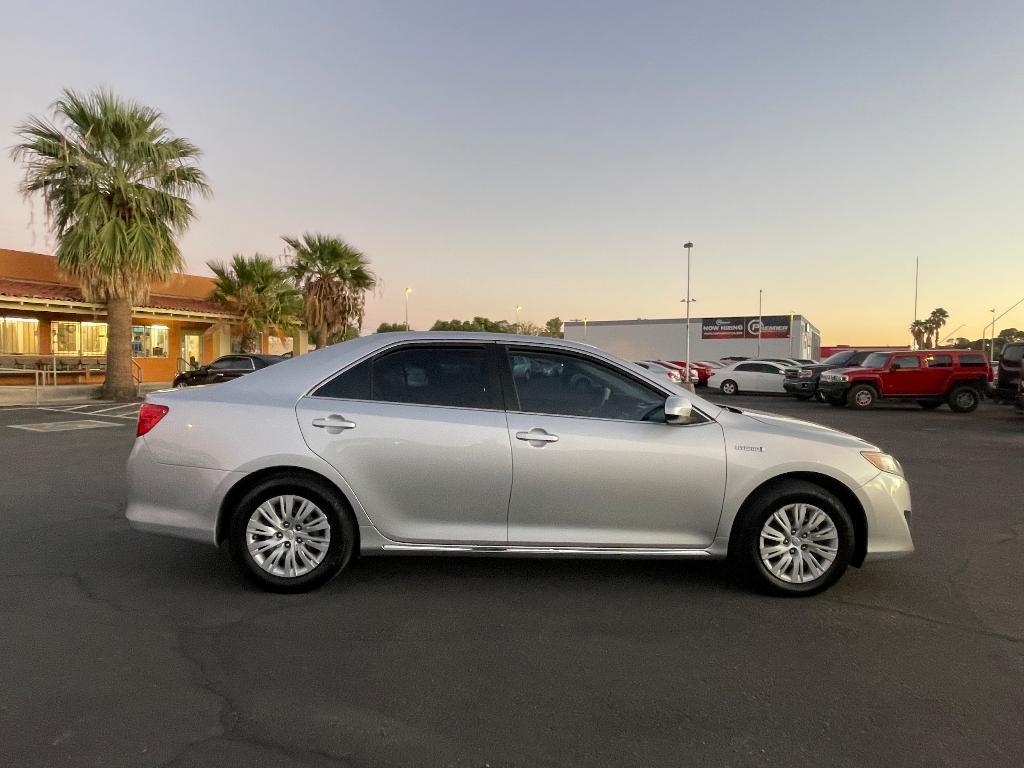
[
  {"x": 94, "y": 339},
  {"x": 150, "y": 340},
  {"x": 19, "y": 336},
  {"x": 71, "y": 338},
  {"x": 66, "y": 338}
]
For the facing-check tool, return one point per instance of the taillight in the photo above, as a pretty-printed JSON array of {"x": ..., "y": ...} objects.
[
  {"x": 149, "y": 416},
  {"x": 674, "y": 375}
]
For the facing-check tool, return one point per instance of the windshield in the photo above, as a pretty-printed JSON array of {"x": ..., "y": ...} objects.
[
  {"x": 875, "y": 360},
  {"x": 838, "y": 358}
]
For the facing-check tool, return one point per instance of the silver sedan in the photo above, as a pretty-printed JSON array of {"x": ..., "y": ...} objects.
[{"x": 442, "y": 443}]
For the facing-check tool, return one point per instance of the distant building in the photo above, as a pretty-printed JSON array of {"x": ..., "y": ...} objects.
[
  {"x": 47, "y": 325},
  {"x": 710, "y": 337}
]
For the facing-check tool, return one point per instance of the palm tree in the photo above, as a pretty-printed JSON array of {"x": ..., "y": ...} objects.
[
  {"x": 260, "y": 292},
  {"x": 918, "y": 329},
  {"x": 936, "y": 320},
  {"x": 116, "y": 187},
  {"x": 333, "y": 278}
]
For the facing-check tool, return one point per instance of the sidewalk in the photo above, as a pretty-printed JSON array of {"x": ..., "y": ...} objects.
[{"x": 64, "y": 393}]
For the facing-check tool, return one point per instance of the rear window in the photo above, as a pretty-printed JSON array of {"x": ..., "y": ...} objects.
[
  {"x": 973, "y": 361},
  {"x": 1012, "y": 353}
]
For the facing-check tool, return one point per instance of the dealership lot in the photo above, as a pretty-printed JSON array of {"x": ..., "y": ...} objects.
[{"x": 121, "y": 649}]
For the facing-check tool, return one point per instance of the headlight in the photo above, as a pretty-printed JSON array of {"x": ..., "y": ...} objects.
[
  {"x": 884, "y": 462},
  {"x": 805, "y": 374}
]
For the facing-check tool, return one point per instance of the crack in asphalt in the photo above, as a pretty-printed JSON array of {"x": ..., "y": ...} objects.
[{"x": 984, "y": 632}]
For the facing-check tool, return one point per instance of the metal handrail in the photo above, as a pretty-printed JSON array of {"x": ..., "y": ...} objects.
[
  {"x": 137, "y": 378},
  {"x": 36, "y": 373}
]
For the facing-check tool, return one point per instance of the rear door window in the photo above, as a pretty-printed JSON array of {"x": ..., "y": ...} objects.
[
  {"x": 453, "y": 376},
  {"x": 940, "y": 361}
]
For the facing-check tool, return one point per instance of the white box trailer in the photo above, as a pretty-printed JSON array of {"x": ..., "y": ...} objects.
[{"x": 711, "y": 338}]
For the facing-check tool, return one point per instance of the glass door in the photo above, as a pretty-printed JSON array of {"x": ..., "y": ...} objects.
[{"x": 191, "y": 350}]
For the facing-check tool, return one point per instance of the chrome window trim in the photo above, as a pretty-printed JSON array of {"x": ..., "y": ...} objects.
[{"x": 545, "y": 346}]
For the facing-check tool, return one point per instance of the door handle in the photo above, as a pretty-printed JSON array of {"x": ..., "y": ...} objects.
[
  {"x": 537, "y": 436},
  {"x": 334, "y": 423}
]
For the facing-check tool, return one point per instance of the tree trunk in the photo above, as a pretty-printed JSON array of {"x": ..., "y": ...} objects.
[
  {"x": 250, "y": 343},
  {"x": 321, "y": 336},
  {"x": 118, "y": 384}
]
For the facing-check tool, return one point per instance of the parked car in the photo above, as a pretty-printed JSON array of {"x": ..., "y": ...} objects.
[
  {"x": 700, "y": 372},
  {"x": 932, "y": 377},
  {"x": 710, "y": 363},
  {"x": 802, "y": 381},
  {"x": 675, "y": 373},
  {"x": 758, "y": 376},
  {"x": 1007, "y": 373},
  {"x": 419, "y": 443},
  {"x": 224, "y": 369},
  {"x": 732, "y": 359},
  {"x": 1019, "y": 400}
]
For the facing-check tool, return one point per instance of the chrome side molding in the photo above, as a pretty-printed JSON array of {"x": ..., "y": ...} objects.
[{"x": 491, "y": 549}]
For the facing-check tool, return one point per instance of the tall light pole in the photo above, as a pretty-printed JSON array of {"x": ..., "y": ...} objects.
[
  {"x": 689, "y": 250},
  {"x": 760, "y": 321},
  {"x": 407, "y": 292},
  {"x": 519, "y": 308}
]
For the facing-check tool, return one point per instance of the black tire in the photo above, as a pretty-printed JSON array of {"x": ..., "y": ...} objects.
[
  {"x": 179, "y": 383},
  {"x": 729, "y": 387},
  {"x": 342, "y": 529},
  {"x": 744, "y": 546},
  {"x": 819, "y": 396},
  {"x": 861, "y": 396},
  {"x": 929, "y": 405},
  {"x": 964, "y": 399}
]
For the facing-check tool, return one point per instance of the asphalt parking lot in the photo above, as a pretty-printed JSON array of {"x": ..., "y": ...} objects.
[{"x": 124, "y": 649}]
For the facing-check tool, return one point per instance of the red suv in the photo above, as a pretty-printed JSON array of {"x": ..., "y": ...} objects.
[{"x": 954, "y": 376}]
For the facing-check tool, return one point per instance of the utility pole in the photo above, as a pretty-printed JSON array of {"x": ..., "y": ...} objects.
[
  {"x": 519, "y": 308},
  {"x": 407, "y": 292},
  {"x": 689, "y": 249},
  {"x": 760, "y": 320}
]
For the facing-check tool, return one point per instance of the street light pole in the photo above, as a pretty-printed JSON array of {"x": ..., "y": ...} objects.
[
  {"x": 760, "y": 321},
  {"x": 519, "y": 308},
  {"x": 407, "y": 292},
  {"x": 689, "y": 250}
]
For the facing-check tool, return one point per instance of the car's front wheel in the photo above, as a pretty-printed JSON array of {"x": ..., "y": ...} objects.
[
  {"x": 794, "y": 539},
  {"x": 291, "y": 534},
  {"x": 729, "y": 387},
  {"x": 862, "y": 396}
]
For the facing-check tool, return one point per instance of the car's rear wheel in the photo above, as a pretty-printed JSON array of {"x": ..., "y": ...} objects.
[
  {"x": 929, "y": 405},
  {"x": 291, "y": 534},
  {"x": 795, "y": 539},
  {"x": 819, "y": 396},
  {"x": 729, "y": 387},
  {"x": 862, "y": 396},
  {"x": 964, "y": 399}
]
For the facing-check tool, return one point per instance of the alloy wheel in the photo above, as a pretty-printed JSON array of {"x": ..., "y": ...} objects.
[
  {"x": 288, "y": 536},
  {"x": 798, "y": 543}
]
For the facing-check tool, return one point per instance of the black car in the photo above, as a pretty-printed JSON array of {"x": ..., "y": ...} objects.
[
  {"x": 225, "y": 368},
  {"x": 1007, "y": 374},
  {"x": 803, "y": 382}
]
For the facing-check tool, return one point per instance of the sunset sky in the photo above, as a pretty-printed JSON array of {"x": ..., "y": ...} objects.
[{"x": 558, "y": 154}]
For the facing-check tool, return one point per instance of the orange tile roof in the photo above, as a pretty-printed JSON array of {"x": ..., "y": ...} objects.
[{"x": 31, "y": 289}]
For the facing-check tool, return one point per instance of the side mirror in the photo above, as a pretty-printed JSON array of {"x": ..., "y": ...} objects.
[{"x": 678, "y": 408}]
